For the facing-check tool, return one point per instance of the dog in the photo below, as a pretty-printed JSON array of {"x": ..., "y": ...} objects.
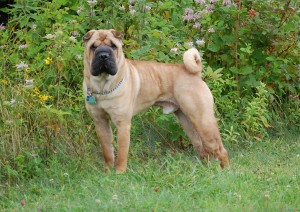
[{"x": 117, "y": 88}]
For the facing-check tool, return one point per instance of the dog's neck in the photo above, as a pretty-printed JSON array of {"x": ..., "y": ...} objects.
[{"x": 105, "y": 82}]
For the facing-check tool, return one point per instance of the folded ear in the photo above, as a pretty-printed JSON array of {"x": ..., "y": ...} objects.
[
  {"x": 88, "y": 35},
  {"x": 116, "y": 33}
]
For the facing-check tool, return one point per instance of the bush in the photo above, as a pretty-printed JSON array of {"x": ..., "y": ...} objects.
[{"x": 250, "y": 51}]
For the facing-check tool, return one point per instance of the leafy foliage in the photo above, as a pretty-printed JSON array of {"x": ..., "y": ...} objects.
[{"x": 250, "y": 51}]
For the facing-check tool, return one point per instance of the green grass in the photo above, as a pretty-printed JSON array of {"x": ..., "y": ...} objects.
[{"x": 264, "y": 176}]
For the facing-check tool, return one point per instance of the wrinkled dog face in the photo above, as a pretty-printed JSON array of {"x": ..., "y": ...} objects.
[{"x": 103, "y": 49}]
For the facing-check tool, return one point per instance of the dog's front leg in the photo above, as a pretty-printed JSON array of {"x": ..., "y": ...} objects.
[
  {"x": 105, "y": 137},
  {"x": 123, "y": 137}
]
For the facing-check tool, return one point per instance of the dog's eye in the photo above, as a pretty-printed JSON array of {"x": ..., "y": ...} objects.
[
  {"x": 113, "y": 46},
  {"x": 93, "y": 47}
]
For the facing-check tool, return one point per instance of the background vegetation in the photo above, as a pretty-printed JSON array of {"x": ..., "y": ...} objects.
[{"x": 251, "y": 57}]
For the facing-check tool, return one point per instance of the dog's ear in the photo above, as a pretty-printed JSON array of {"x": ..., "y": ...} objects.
[
  {"x": 117, "y": 34},
  {"x": 88, "y": 35}
]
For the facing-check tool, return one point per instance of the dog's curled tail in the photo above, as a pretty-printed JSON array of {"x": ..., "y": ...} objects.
[{"x": 192, "y": 61}]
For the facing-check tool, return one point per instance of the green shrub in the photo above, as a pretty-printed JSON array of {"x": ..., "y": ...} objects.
[{"x": 250, "y": 51}]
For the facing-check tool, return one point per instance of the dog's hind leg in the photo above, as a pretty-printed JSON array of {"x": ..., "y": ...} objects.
[
  {"x": 198, "y": 109},
  {"x": 212, "y": 144},
  {"x": 191, "y": 133}
]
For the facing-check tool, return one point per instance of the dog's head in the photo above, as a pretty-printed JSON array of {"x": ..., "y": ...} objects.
[{"x": 103, "y": 51}]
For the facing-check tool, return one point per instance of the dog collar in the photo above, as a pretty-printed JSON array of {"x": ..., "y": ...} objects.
[{"x": 105, "y": 92}]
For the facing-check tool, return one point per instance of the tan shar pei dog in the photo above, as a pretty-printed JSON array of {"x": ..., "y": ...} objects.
[{"x": 117, "y": 88}]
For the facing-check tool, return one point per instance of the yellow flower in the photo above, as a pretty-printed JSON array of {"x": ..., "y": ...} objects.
[
  {"x": 4, "y": 81},
  {"x": 36, "y": 90},
  {"x": 48, "y": 61},
  {"x": 44, "y": 98}
]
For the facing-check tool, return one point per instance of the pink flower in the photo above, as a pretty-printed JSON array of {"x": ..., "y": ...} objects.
[
  {"x": 226, "y": 2},
  {"x": 190, "y": 44},
  {"x": 23, "y": 202},
  {"x": 2, "y": 27},
  {"x": 197, "y": 26},
  {"x": 189, "y": 11},
  {"x": 200, "y": 42},
  {"x": 200, "y": 1}
]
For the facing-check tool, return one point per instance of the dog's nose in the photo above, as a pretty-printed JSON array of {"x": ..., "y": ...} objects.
[{"x": 104, "y": 55}]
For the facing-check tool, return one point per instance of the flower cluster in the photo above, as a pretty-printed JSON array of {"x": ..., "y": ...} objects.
[{"x": 195, "y": 17}]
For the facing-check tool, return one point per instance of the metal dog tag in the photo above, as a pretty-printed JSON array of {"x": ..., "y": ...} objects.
[
  {"x": 88, "y": 98},
  {"x": 92, "y": 100}
]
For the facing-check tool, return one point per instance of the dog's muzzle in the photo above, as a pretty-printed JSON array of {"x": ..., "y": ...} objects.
[{"x": 103, "y": 61}]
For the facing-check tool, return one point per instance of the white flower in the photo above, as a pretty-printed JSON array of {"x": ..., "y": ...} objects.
[
  {"x": 79, "y": 10},
  {"x": 122, "y": 8},
  {"x": 50, "y": 36},
  {"x": 211, "y": 29},
  {"x": 22, "y": 65},
  {"x": 147, "y": 8},
  {"x": 174, "y": 50},
  {"x": 78, "y": 56},
  {"x": 28, "y": 86},
  {"x": 73, "y": 22},
  {"x": 12, "y": 101},
  {"x": 75, "y": 33},
  {"x": 72, "y": 39},
  {"x": 23, "y": 46},
  {"x": 115, "y": 197},
  {"x": 92, "y": 3},
  {"x": 132, "y": 12},
  {"x": 34, "y": 26},
  {"x": 200, "y": 42},
  {"x": 29, "y": 81},
  {"x": 190, "y": 44}
]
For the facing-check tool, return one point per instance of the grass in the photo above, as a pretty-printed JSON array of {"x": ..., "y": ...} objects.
[{"x": 264, "y": 176}]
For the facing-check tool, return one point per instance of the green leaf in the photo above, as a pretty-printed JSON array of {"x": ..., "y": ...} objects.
[
  {"x": 213, "y": 47},
  {"x": 246, "y": 70}
]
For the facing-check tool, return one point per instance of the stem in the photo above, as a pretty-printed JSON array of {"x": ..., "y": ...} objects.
[
  {"x": 237, "y": 28},
  {"x": 283, "y": 17}
]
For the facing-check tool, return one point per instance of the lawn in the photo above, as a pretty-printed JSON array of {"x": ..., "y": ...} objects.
[{"x": 264, "y": 176}]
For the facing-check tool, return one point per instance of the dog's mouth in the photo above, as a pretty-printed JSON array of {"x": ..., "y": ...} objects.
[{"x": 103, "y": 62}]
